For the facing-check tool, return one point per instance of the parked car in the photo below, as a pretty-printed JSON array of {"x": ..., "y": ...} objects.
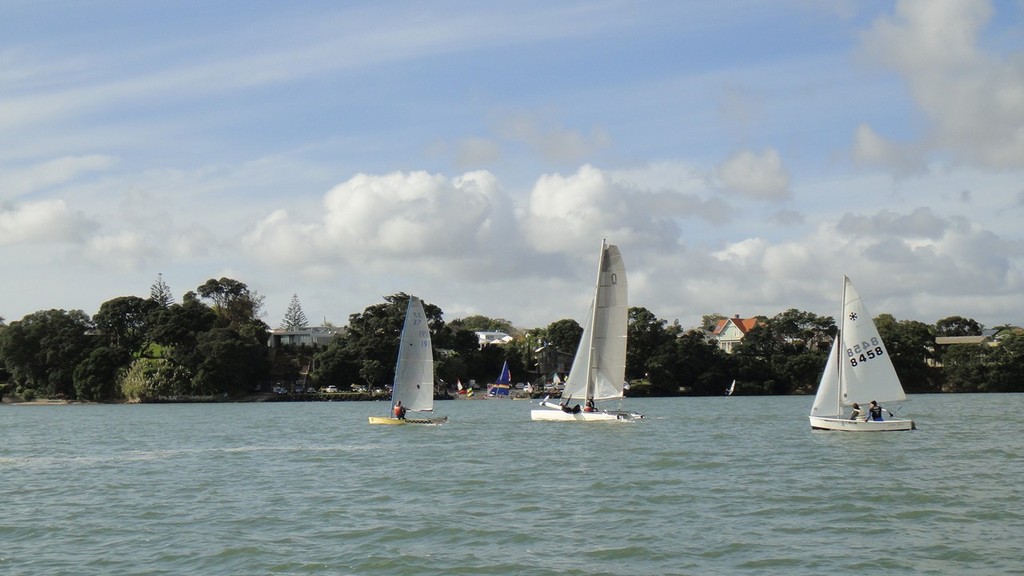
[{"x": 331, "y": 389}]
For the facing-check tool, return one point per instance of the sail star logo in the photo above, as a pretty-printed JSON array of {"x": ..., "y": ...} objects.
[{"x": 853, "y": 315}]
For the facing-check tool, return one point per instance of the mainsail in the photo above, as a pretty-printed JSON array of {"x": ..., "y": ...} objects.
[
  {"x": 868, "y": 373},
  {"x": 414, "y": 372},
  {"x": 598, "y": 371}
]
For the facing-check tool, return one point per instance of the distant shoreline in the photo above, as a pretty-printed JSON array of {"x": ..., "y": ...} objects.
[{"x": 259, "y": 397}]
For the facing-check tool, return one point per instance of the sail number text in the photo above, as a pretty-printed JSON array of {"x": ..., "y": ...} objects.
[{"x": 864, "y": 351}]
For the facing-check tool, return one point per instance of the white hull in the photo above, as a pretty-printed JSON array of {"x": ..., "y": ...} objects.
[
  {"x": 847, "y": 425},
  {"x": 859, "y": 370},
  {"x": 554, "y": 413}
]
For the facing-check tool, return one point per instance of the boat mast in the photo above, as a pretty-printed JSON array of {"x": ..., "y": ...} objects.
[{"x": 839, "y": 352}]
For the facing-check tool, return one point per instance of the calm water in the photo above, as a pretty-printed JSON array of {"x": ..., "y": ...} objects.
[{"x": 704, "y": 486}]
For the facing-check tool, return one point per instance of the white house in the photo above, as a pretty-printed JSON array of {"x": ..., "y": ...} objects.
[
  {"x": 729, "y": 332},
  {"x": 302, "y": 336},
  {"x": 492, "y": 338}
]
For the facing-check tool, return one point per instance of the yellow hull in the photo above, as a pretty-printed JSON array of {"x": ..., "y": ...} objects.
[{"x": 391, "y": 421}]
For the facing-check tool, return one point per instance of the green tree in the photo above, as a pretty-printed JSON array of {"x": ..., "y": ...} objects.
[
  {"x": 646, "y": 335},
  {"x": 123, "y": 322},
  {"x": 175, "y": 333},
  {"x": 372, "y": 372},
  {"x": 708, "y": 322},
  {"x": 784, "y": 354},
  {"x": 1007, "y": 361},
  {"x": 910, "y": 345},
  {"x": 294, "y": 317},
  {"x": 152, "y": 378},
  {"x": 96, "y": 376},
  {"x": 708, "y": 366},
  {"x": 336, "y": 364},
  {"x": 966, "y": 368},
  {"x": 958, "y": 326},
  {"x": 42, "y": 350},
  {"x": 160, "y": 293},
  {"x": 231, "y": 362},
  {"x": 478, "y": 323},
  {"x": 689, "y": 363},
  {"x": 802, "y": 330},
  {"x": 372, "y": 336},
  {"x": 233, "y": 301},
  {"x": 564, "y": 335}
]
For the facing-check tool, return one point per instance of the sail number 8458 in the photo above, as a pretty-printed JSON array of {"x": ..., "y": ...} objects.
[{"x": 864, "y": 351}]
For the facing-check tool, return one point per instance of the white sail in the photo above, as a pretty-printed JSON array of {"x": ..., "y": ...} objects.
[
  {"x": 826, "y": 401},
  {"x": 858, "y": 370},
  {"x": 598, "y": 371},
  {"x": 414, "y": 372},
  {"x": 868, "y": 373}
]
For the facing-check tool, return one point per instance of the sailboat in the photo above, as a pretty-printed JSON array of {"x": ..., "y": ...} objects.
[
  {"x": 859, "y": 370},
  {"x": 598, "y": 371},
  {"x": 501, "y": 387},
  {"x": 464, "y": 391},
  {"x": 414, "y": 372},
  {"x": 731, "y": 388}
]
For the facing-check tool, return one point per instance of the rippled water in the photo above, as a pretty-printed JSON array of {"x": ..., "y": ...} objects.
[{"x": 735, "y": 485}]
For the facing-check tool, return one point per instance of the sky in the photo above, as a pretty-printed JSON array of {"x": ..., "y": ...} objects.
[{"x": 743, "y": 156}]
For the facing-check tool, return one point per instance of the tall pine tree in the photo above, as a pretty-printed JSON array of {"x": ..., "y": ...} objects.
[
  {"x": 294, "y": 317},
  {"x": 160, "y": 292}
]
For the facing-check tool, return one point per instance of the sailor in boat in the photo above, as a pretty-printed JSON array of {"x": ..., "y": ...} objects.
[
  {"x": 875, "y": 412},
  {"x": 565, "y": 407},
  {"x": 399, "y": 410},
  {"x": 589, "y": 407},
  {"x": 857, "y": 412}
]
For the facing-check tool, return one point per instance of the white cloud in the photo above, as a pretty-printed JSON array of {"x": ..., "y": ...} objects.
[
  {"x": 47, "y": 221},
  {"x": 972, "y": 100},
  {"x": 572, "y": 213},
  {"x": 404, "y": 217},
  {"x": 756, "y": 176}
]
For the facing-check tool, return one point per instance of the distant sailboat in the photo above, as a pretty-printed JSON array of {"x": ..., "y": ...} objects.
[
  {"x": 598, "y": 371},
  {"x": 731, "y": 388},
  {"x": 859, "y": 370},
  {"x": 413, "y": 388},
  {"x": 503, "y": 385}
]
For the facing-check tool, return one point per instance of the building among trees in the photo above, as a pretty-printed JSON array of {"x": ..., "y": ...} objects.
[{"x": 729, "y": 332}]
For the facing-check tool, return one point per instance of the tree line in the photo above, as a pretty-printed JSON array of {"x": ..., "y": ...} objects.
[{"x": 214, "y": 343}]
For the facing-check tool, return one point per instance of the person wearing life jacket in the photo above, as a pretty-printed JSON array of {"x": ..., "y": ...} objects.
[
  {"x": 857, "y": 413},
  {"x": 589, "y": 407},
  {"x": 399, "y": 410},
  {"x": 875, "y": 412}
]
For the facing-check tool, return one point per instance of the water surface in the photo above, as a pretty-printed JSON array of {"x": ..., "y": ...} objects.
[{"x": 737, "y": 485}]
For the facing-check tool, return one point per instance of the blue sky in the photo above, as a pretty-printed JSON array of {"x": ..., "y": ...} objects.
[{"x": 742, "y": 155}]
